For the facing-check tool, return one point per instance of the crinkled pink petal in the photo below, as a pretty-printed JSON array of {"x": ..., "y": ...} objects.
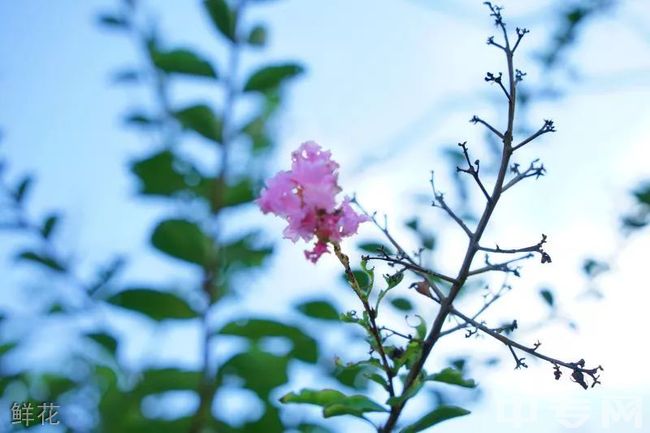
[
  {"x": 319, "y": 249},
  {"x": 350, "y": 220},
  {"x": 305, "y": 197},
  {"x": 279, "y": 196}
]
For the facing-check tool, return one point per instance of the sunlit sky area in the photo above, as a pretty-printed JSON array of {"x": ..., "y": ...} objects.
[{"x": 389, "y": 86}]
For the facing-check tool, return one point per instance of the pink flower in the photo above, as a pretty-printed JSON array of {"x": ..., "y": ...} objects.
[{"x": 305, "y": 197}]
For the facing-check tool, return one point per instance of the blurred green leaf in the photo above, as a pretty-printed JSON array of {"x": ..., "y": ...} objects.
[
  {"x": 158, "y": 380},
  {"x": 158, "y": 174},
  {"x": 24, "y": 186},
  {"x": 201, "y": 119},
  {"x": 334, "y": 403},
  {"x": 139, "y": 119},
  {"x": 105, "y": 340},
  {"x": 271, "y": 77},
  {"x": 240, "y": 193},
  {"x": 312, "y": 428},
  {"x": 154, "y": 304},
  {"x": 183, "y": 61},
  {"x": 43, "y": 259},
  {"x": 114, "y": 21},
  {"x": 439, "y": 414},
  {"x": 402, "y": 304},
  {"x": 49, "y": 224},
  {"x": 257, "y": 36},
  {"x": 375, "y": 248},
  {"x": 318, "y": 309},
  {"x": 452, "y": 376},
  {"x": 547, "y": 295},
  {"x": 245, "y": 253},
  {"x": 222, "y": 17},
  {"x": 261, "y": 371},
  {"x": 642, "y": 194},
  {"x": 184, "y": 240},
  {"x": 305, "y": 348}
]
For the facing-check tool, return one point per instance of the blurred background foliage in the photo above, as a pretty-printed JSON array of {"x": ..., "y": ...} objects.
[{"x": 204, "y": 164}]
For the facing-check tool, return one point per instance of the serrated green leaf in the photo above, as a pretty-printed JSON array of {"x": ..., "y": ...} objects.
[
  {"x": 304, "y": 348},
  {"x": 201, "y": 119},
  {"x": 222, "y": 17},
  {"x": 271, "y": 77},
  {"x": 154, "y": 304},
  {"x": 439, "y": 414},
  {"x": 452, "y": 376},
  {"x": 318, "y": 309},
  {"x": 184, "y": 240}
]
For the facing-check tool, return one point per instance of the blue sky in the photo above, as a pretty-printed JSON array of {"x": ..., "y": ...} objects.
[{"x": 387, "y": 80}]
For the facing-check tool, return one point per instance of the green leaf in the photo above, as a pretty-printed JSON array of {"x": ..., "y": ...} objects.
[
  {"x": 271, "y": 77},
  {"x": 23, "y": 188},
  {"x": 547, "y": 295},
  {"x": 318, "y": 309},
  {"x": 642, "y": 194},
  {"x": 312, "y": 428},
  {"x": 334, "y": 403},
  {"x": 439, "y": 414},
  {"x": 393, "y": 280},
  {"x": 140, "y": 119},
  {"x": 182, "y": 61},
  {"x": 113, "y": 21},
  {"x": 261, "y": 371},
  {"x": 375, "y": 248},
  {"x": 185, "y": 241},
  {"x": 304, "y": 348},
  {"x": 43, "y": 259},
  {"x": 452, "y": 376},
  {"x": 245, "y": 253},
  {"x": 421, "y": 328},
  {"x": 158, "y": 380},
  {"x": 222, "y": 17},
  {"x": 105, "y": 340},
  {"x": 201, "y": 119},
  {"x": 239, "y": 193},
  {"x": 257, "y": 36},
  {"x": 402, "y": 304},
  {"x": 155, "y": 304},
  {"x": 158, "y": 174},
  {"x": 49, "y": 224}
]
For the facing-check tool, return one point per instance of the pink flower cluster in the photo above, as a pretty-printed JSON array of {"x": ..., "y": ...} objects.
[{"x": 305, "y": 196}]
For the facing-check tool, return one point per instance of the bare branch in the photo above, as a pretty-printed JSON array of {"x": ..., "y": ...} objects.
[
  {"x": 473, "y": 170},
  {"x": 533, "y": 170},
  {"x": 475, "y": 119},
  {"x": 537, "y": 248},
  {"x": 439, "y": 201},
  {"x": 503, "y": 266},
  {"x": 412, "y": 267},
  {"x": 547, "y": 127}
]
